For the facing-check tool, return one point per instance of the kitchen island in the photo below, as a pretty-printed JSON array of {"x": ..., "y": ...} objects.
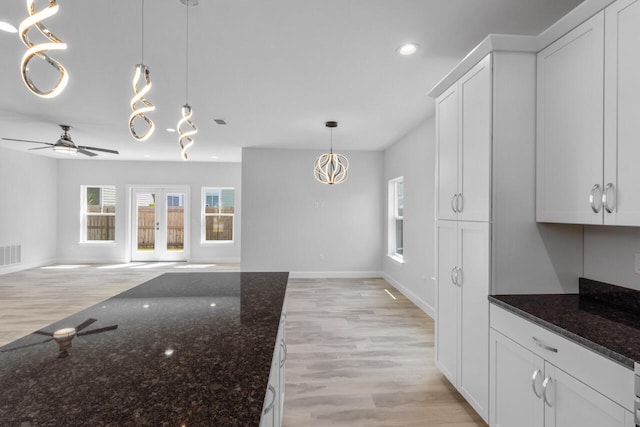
[{"x": 183, "y": 349}]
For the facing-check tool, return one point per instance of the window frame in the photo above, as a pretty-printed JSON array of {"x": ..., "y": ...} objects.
[
  {"x": 84, "y": 214},
  {"x": 204, "y": 215},
  {"x": 393, "y": 217}
]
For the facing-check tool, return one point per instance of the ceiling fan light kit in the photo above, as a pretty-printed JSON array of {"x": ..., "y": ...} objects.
[
  {"x": 40, "y": 50},
  {"x": 331, "y": 168}
]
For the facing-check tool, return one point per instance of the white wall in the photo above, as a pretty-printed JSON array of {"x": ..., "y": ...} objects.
[
  {"x": 74, "y": 173},
  {"x": 413, "y": 157},
  {"x": 609, "y": 254},
  {"x": 28, "y": 206},
  {"x": 293, "y": 223}
]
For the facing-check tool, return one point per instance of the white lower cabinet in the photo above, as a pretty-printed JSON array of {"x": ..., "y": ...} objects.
[
  {"x": 273, "y": 406},
  {"x": 462, "y": 330},
  {"x": 526, "y": 390}
]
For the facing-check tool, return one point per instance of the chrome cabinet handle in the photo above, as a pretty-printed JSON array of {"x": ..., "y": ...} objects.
[
  {"x": 270, "y": 407},
  {"x": 283, "y": 345},
  {"x": 533, "y": 383},
  {"x": 542, "y": 344},
  {"x": 593, "y": 198},
  {"x": 453, "y": 280},
  {"x": 606, "y": 199},
  {"x": 459, "y": 205},
  {"x": 545, "y": 389},
  {"x": 458, "y": 276},
  {"x": 454, "y": 203}
]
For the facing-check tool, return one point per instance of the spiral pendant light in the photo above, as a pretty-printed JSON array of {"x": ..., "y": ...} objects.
[
  {"x": 41, "y": 50},
  {"x": 185, "y": 139},
  {"x": 331, "y": 168},
  {"x": 139, "y": 112}
]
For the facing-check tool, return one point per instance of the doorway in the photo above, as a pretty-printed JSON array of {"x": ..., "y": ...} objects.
[{"x": 159, "y": 226}]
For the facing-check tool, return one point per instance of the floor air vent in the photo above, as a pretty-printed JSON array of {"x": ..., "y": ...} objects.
[{"x": 10, "y": 255}]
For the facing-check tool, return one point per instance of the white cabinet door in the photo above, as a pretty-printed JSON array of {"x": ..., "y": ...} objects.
[
  {"x": 474, "y": 154},
  {"x": 622, "y": 113},
  {"x": 447, "y": 153},
  {"x": 447, "y": 299},
  {"x": 515, "y": 384},
  {"x": 473, "y": 283},
  {"x": 570, "y": 403},
  {"x": 570, "y": 126}
]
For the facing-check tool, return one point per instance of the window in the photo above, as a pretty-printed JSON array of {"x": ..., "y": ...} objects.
[
  {"x": 218, "y": 209},
  {"x": 98, "y": 214},
  {"x": 396, "y": 218}
]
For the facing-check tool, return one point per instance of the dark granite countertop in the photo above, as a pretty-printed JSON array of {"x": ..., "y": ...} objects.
[
  {"x": 190, "y": 349},
  {"x": 600, "y": 318}
]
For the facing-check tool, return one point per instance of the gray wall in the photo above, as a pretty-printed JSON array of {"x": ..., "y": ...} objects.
[
  {"x": 609, "y": 254},
  {"x": 28, "y": 202},
  {"x": 414, "y": 158},
  {"x": 293, "y": 223},
  {"x": 74, "y": 173}
]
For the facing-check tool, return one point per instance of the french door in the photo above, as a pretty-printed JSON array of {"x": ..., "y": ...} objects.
[{"x": 159, "y": 226}]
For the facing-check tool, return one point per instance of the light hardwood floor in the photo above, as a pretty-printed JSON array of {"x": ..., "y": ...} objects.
[{"x": 356, "y": 357}]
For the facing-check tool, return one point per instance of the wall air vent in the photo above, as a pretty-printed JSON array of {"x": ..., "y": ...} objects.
[
  {"x": 10, "y": 255},
  {"x": 220, "y": 121}
]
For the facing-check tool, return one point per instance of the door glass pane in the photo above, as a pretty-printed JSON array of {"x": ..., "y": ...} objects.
[
  {"x": 175, "y": 222},
  {"x": 146, "y": 204}
]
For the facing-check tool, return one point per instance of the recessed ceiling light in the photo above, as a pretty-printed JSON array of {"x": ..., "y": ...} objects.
[
  {"x": 5, "y": 26},
  {"x": 408, "y": 49},
  {"x": 170, "y": 129}
]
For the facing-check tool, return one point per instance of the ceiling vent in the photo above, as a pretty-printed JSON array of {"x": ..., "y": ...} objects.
[{"x": 220, "y": 121}]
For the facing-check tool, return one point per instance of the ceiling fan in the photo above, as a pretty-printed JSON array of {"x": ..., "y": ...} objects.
[
  {"x": 64, "y": 336},
  {"x": 66, "y": 145}
]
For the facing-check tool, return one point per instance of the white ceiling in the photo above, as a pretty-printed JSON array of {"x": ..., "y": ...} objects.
[{"x": 274, "y": 70}]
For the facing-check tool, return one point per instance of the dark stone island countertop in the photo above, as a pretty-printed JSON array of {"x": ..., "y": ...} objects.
[
  {"x": 602, "y": 317},
  {"x": 190, "y": 349}
]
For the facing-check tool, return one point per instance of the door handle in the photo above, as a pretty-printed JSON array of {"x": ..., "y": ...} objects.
[
  {"x": 543, "y": 345},
  {"x": 458, "y": 276},
  {"x": 454, "y": 203},
  {"x": 593, "y": 198},
  {"x": 270, "y": 407},
  {"x": 453, "y": 271},
  {"x": 533, "y": 383},
  {"x": 459, "y": 204},
  {"x": 606, "y": 199},
  {"x": 545, "y": 390}
]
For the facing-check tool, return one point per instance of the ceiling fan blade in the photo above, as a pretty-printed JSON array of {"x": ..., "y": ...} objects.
[
  {"x": 86, "y": 153},
  {"x": 98, "y": 149},
  {"x": 39, "y": 148},
  {"x": 25, "y": 346},
  {"x": 26, "y": 140},
  {"x": 84, "y": 324},
  {"x": 99, "y": 330},
  {"x": 48, "y": 334}
]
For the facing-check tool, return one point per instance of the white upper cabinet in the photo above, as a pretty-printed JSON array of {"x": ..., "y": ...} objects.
[
  {"x": 622, "y": 114},
  {"x": 589, "y": 122},
  {"x": 464, "y": 147},
  {"x": 570, "y": 126}
]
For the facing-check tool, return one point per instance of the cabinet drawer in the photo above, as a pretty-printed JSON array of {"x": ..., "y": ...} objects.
[{"x": 605, "y": 376}]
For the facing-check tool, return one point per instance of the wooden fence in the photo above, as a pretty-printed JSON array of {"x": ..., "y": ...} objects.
[{"x": 147, "y": 224}]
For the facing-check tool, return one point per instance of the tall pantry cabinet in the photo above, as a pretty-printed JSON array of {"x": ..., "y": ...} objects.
[{"x": 487, "y": 240}]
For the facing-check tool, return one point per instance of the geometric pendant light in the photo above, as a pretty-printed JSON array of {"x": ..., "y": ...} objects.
[
  {"x": 40, "y": 50},
  {"x": 186, "y": 128},
  {"x": 330, "y": 168},
  {"x": 141, "y": 71}
]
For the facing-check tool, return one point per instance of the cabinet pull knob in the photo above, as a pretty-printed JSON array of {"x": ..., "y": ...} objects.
[
  {"x": 454, "y": 203},
  {"x": 606, "y": 200},
  {"x": 593, "y": 198},
  {"x": 533, "y": 383},
  {"x": 542, "y": 344},
  {"x": 270, "y": 407},
  {"x": 545, "y": 390},
  {"x": 459, "y": 204}
]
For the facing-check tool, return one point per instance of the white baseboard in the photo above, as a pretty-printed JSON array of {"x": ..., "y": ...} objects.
[
  {"x": 91, "y": 261},
  {"x": 25, "y": 266},
  {"x": 422, "y": 304},
  {"x": 215, "y": 260},
  {"x": 335, "y": 274}
]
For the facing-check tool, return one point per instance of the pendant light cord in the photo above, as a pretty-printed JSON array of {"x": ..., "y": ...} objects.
[
  {"x": 331, "y": 130},
  {"x": 142, "y": 30},
  {"x": 187, "y": 56}
]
